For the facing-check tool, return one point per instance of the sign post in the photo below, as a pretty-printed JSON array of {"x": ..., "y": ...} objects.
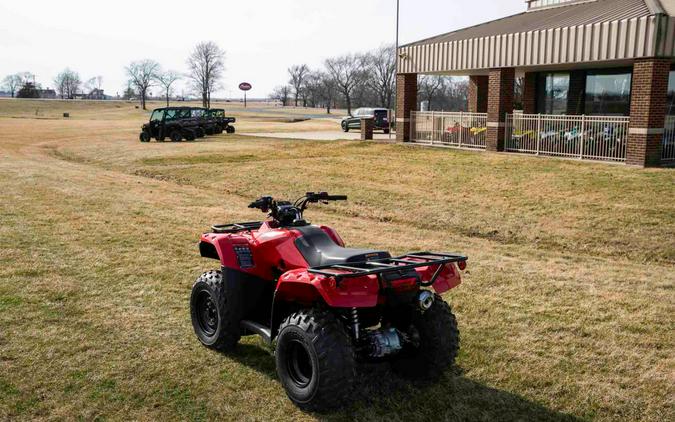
[{"x": 245, "y": 86}]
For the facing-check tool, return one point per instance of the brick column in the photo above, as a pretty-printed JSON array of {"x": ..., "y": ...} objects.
[
  {"x": 367, "y": 126},
  {"x": 500, "y": 102},
  {"x": 577, "y": 93},
  {"x": 406, "y": 101},
  {"x": 530, "y": 93},
  {"x": 478, "y": 93},
  {"x": 647, "y": 111}
]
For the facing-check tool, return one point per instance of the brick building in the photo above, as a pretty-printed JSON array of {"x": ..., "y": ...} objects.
[{"x": 598, "y": 81}]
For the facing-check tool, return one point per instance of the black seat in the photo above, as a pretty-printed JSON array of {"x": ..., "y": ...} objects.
[{"x": 318, "y": 249}]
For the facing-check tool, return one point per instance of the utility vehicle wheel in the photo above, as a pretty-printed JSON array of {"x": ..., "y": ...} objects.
[
  {"x": 345, "y": 127},
  {"x": 176, "y": 136},
  {"x": 438, "y": 344},
  {"x": 386, "y": 131},
  {"x": 161, "y": 139},
  {"x": 189, "y": 135},
  {"x": 219, "y": 131},
  {"x": 144, "y": 137},
  {"x": 200, "y": 133},
  {"x": 230, "y": 129},
  {"x": 315, "y": 360},
  {"x": 214, "y": 311}
]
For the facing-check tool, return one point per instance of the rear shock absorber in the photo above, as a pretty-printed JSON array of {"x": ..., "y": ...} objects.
[{"x": 355, "y": 323}]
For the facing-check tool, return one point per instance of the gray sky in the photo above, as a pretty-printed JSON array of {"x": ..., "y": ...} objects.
[{"x": 262, "y": 38}]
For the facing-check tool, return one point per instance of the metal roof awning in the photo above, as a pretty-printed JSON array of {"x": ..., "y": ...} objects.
[{"x": 585, "y": 32}]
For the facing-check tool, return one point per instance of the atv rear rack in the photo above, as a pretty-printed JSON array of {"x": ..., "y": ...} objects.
[
  {"x": 389, "y": 265},
  {"x": 236, "y": 227}
]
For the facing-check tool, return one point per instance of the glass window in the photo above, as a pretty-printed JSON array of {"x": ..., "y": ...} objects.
[
  {"x": 157, "y": 116},
  {"x": 171, "y": 114},
  {"x": 670, "y": 102},
  {"x": 552, "y": 93},
  {"x": 608, "y": 93}
]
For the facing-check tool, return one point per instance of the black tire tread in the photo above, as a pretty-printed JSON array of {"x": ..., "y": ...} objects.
[
  {"x": 333, "y": 347},
  {"x": 230, "y": 332}
]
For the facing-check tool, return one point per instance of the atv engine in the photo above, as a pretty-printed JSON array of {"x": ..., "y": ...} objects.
[{"x": 383, "y": 342}]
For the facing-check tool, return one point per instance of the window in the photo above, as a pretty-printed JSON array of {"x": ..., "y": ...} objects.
[
  {"x": 608, "y": 92},
  {"x": 171, "y": 115},
  {"x": 670, "y": 102},
  {"x": 552, "y": 92},
  {"x": 157, "y": 116}
]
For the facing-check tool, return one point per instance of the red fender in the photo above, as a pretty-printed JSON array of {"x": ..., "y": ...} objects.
[{"x": 304, "y": 287}]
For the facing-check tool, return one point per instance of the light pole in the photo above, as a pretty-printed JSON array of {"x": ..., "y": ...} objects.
[{"x": 398, "y": 10}]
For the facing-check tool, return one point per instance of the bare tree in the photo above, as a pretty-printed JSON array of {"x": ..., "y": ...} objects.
[
  {"x": 327, "y": 90},
  {"x": 298, "y": 73},
  {"x": 281, "y": 93},
  {"x": 67, "y": 83},
  {"x": 382, "y": 74},
  {"x": 166, "y": 80},
  {"x": 94, "y": 83},
  {"x": 430, "y": 86},
  {"x": 142, "y": 75},
  {"x": 207, "y": 65},
  {"x": 348, "y": 74},
  {"x": 12, "y": 83}
]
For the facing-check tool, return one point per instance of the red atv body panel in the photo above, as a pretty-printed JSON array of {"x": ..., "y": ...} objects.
[{"x": 270, "y": 253}]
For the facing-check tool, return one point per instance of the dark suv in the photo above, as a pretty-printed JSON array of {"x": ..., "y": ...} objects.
[
  {"x": 176, "y": 123},
  {"x": 380, "y": 115}
]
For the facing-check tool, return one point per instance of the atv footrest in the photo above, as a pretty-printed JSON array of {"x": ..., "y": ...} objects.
[
  {"x": 259, "y": 329},
  {"x": 388, "y": 265}
]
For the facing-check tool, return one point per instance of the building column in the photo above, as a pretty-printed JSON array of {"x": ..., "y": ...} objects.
[
  {"x": 478, "y": 93},
  {"x": 500, "y": 102},
  {"x": 530, "y": 93},
  {"x": 576, "y": 93},
  {"x": 647, "y": 111},
  {"x": 406, "y": 101}
]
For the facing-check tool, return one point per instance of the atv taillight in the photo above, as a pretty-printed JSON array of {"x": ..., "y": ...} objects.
[{"x": 461, "y": 265}]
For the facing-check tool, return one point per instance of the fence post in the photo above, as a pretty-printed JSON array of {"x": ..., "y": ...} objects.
[
  {"x": 461, "y": 128},
  {"x": 538, "y": 131},
  {"x": 583, "y": 135}
]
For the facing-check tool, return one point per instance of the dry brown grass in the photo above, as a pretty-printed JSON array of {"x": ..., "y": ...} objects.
[{"x": 567, "y": 311}]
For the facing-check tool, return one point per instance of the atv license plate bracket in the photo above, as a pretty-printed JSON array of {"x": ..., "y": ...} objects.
[{"x": 388, "y": 265}]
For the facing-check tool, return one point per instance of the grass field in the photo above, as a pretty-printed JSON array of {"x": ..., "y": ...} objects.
[{"x": 567, "y": 311}]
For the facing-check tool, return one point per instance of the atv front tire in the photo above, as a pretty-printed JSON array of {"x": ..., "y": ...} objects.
[
  {"x": 438, "y": 344},
  {"x": 214, "y": 311},
  {"x": 315, "y": 360}
]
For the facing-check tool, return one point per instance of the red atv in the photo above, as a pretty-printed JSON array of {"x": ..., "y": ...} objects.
[{"x": 325, "y": 306}]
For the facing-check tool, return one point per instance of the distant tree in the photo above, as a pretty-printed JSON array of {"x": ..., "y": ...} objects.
[
  {"x": 381, "y": 66},
  {"x": 348, "y": 74},
  {"x": 28, "y": 90},
  {"x": 94, "y": 83},
  {"x": 166, "y": 80},
  {"x": 142, "y": 75},
  {"x": 129, "y": 93},
  {"x": 67, "y": 83},
  {"x": 430, "y": 86},
  {"x": 298, "y": 73},
  {"x": 12, "y": 83},
  {"x": 281, "y": 93},
  {"x": 327, "y": 90},
  {"x": 207, "y": 65}
]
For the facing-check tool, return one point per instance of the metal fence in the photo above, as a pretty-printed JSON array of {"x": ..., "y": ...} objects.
[
  {"x": 584, "y": 137},
  {"x": 668, "y": 150},
  {"x": 464, "y": 130}
]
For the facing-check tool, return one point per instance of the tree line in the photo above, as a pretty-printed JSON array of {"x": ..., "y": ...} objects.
[
  {"x": 206, "y": 66},
  {"x": 364, "y": 79}
]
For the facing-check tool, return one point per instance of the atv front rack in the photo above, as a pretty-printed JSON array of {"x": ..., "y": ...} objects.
[
  {"x": 236, "y": 227},
  {"x": 389, "y": 265}
]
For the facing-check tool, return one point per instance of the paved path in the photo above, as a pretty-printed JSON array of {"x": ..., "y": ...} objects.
[{"x": 321, "y": 135}]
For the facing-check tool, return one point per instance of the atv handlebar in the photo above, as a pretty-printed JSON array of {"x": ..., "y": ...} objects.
[{"x": 284, "y": 212}]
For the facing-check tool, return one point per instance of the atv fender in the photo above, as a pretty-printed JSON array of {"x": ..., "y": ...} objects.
[{"x": 300, "y": 286}]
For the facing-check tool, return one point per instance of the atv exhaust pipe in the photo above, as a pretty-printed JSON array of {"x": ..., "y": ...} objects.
[{"x": 425, "y": 299}]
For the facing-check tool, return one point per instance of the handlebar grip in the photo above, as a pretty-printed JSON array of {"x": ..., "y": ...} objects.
[{"x": 336, "y": 197}]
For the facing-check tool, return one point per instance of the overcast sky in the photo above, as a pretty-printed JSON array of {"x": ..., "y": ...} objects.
[{"x": 262, "y": 38}]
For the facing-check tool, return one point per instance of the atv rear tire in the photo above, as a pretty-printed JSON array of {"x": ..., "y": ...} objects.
[
  {"x": 438, "y": 344},
  {"x": 214, "y": 311},
  {"x": 315, "y": 360}
]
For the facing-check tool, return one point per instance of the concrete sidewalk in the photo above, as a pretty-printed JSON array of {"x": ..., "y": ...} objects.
[{"x": 322, "y": 136}]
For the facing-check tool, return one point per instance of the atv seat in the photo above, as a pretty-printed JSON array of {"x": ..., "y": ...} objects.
[{"x": 319, "y": 249}]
